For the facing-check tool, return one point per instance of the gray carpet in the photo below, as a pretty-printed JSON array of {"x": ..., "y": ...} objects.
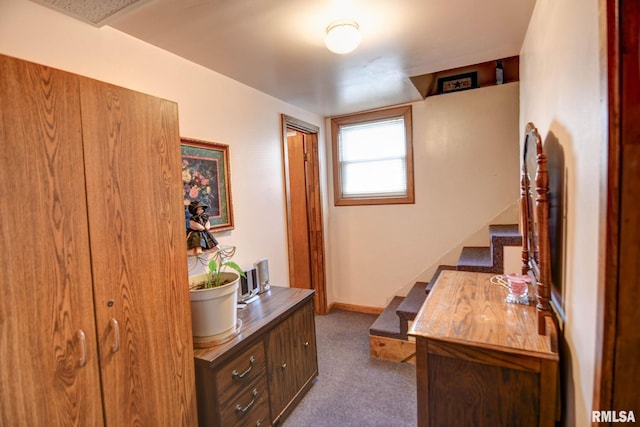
[{"x": 353, "y": 389}]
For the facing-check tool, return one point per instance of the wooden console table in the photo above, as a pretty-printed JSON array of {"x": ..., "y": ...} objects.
[
  {"x": 258, "y": 377},
  {"x": 480, "y": 360}
]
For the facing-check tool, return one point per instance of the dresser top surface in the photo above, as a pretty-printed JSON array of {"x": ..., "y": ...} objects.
[
  {"x": 465, "y": 307},
  {"x": 257, "y": 317}
]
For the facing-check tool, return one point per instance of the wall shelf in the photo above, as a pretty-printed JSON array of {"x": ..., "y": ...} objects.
[{"x": 427, "y": 84}]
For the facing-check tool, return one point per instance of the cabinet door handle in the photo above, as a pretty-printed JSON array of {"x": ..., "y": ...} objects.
[
  {"x": 306, "y": 343},
  {"x": 284, "y": 365},
  {"x": 250, "y": 404},
  {"x": 238, "y": 376},
  {"x": 116, "y": 335},
  {"x": 83, "y": 347}
]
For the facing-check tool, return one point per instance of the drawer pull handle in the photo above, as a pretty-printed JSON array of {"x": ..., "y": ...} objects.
[
  {"x": 284, "y": 365},
  {"x": 242, "y": 410},
  {"x": 306, "y": 343},
  {"x": 238, "y": 376}
]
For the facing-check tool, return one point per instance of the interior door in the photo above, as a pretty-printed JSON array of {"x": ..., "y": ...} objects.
[
  {"x": 134, "y": 198},
  {"x": 49, "y": 367},
  {"x": 300, "y": 268},
  {"x": 304, "y": 209}
]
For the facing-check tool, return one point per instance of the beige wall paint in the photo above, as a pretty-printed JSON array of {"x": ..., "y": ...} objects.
[
  {"x": 466, "y": 148},
  {"x": 560, "y": 80},
  {"x": 211, "y": 107}
]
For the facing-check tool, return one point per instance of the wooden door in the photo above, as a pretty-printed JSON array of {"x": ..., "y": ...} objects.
[
  {"x": 300, "y": 269},
  {"x": 48, "y": 371},
  {"x": 138, "y": 250},
  {"x": 305, "y": 225}
]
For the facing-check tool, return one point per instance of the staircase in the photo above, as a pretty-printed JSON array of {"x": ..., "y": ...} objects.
[{"x": 388, "y": 334}]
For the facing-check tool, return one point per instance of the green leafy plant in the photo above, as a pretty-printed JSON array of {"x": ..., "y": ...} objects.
[{"x": 217, "y": 266}]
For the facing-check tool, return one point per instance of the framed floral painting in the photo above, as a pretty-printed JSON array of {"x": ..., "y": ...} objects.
[{"x": 205, "y": 178}]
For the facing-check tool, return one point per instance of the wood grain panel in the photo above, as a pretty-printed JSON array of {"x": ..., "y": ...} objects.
[
  {"x": 618, "y": 341},
  {"x": 46, "y": 295},
  {"x": 316, "y": 225},
  {"x": 479, "y": 360},
  {"x": 248, "y": 408},
  {"x": 486, "y": 356},
  {"x": 304, "y": 345},
  {"x": 465, "y": 307},
  {"x": 300, "y": 264},
  {"x": 481, "y": 395},
  {"x": 247, "y": 366},
  {"x": 281, "y": 367},
  {"x": 312, "y": 200},
  {"x": 134, "y": 194},
  {"x": 392, "y": 349}
]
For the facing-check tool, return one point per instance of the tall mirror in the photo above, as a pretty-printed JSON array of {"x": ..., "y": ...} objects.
[{"x": 534, "y": 209}]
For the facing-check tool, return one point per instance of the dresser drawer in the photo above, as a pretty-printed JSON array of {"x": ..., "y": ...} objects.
[
  {"x": 240, "y": 372},
  {"x": 249, "y": 407}
]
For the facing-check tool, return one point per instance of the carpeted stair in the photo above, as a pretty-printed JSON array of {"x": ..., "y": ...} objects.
[
  {"x": 490, "y": 259},
  {"x": 388, "y": 334}
]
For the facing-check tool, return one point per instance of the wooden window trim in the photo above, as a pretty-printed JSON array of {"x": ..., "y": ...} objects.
[{"x": 336, "y": 122}]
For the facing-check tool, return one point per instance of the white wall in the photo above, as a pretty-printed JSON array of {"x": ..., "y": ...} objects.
[
  {"x": 466, "y": 150},
  {"x": 560, "y": 78},
  {"x": 212, "y": 107}
]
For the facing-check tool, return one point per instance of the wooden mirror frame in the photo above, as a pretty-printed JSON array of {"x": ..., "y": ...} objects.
[{"x": 536, "y": 259}]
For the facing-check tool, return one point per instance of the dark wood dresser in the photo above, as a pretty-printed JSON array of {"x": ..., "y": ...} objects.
[
  {"x": 258, "y": 377},
  {"x": 480, "y": 360}
]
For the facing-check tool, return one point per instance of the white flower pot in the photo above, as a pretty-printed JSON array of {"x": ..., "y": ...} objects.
[{"x": 214, "y": 315}]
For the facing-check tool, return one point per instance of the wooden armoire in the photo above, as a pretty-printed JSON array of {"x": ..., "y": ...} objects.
[{"x": 95, "y": 325}]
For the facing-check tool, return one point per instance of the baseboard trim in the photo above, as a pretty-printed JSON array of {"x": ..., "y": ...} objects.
[{"x": 356, "y": 308}]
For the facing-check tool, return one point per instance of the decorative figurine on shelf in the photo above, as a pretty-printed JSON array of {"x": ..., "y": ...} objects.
[
  {"x": 199, "y": 238},
  {"x": 499, "y": 72}
]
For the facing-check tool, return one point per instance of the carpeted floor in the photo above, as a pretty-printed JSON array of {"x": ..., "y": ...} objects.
[{"x": 353, "y": 389}]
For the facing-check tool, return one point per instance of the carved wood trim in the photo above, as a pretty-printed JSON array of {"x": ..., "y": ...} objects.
[{"x": 535, "y": 227}]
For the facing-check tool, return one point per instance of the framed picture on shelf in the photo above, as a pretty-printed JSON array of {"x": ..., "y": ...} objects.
[
  {"x": 205, "y": 178},
  {"x": 458, "y": 82}
]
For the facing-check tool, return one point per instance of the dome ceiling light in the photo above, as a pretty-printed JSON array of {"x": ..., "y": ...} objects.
[{"x": 342, "y": 37}]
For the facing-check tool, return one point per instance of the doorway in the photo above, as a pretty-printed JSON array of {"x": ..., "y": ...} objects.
[{"x": 305, "y": 228}]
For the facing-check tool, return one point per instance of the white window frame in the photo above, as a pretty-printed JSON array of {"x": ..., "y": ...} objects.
[{"x": 369, "y": 117}]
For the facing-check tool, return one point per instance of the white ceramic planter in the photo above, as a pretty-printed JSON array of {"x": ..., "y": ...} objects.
[{"x": 214, "y": 315}]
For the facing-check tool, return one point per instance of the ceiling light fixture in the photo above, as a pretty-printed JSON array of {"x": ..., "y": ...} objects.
[{"x": 342, "y": 37}]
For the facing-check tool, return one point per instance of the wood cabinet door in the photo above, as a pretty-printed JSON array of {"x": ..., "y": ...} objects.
[
  {"x": 281, "y": 369},
  {"x": 304, "y": 343},
  {"x": 138, "y": 248},
  {"x": 48, "y": 371}
]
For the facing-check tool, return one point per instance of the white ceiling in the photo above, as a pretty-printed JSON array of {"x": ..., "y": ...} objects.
[{"x": 277, "y": 46}]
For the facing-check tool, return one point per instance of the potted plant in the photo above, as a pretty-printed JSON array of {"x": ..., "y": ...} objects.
[{"x": 214, "y": 298}]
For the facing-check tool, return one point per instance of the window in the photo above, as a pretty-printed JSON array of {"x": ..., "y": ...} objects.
[{"x": 373, "y": 157}]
